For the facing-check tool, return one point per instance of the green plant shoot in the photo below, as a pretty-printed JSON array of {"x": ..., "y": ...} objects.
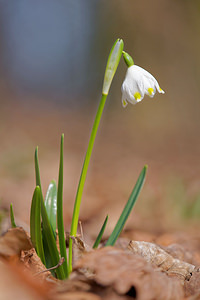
[
  {"x": 101, "y": 232},
  {"x": 12, "y": 218},
  {"x": 61, "y": 232},
  {"x": 127, "y": 209},
  {"x": 51, "y": 204},
  {"x": 47, "y": 229},
  {"x": 35, "y": 224},
  {"x": 111, "y": 67}
]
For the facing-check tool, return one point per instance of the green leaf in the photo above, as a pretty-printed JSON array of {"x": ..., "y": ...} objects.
[
  {"x": 101, "y": 232},
  {"x": 61, "y": 232},
  {"x": 12, "y": 218},
  {"x": 127, "y": 209},
  {"x": 37, "y": 170},
  {"x": 51, "y": 204},
  {"x": 35, "y": 224},
  {"x": 48, "y": 261},
  {"x": 47, "y": 230}
]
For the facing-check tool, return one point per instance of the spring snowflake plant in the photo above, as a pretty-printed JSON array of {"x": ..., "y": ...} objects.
[{"x": 46, "y": 217}]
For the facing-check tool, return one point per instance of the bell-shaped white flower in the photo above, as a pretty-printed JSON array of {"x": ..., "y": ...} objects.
[{"x": 137, "y": 83}]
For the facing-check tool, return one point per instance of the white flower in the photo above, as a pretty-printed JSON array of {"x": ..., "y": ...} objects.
[{"x": 137, "y": 83}]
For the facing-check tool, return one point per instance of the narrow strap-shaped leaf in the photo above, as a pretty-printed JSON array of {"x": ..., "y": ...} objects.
[
  {"x": 101, "y": 232},
  {"x": 12, "y": 218},
  {"x": 127, "y": 209},
  {"x": 61, "y": 232},
  {"x": 51, "y": 204},
  {"x": 37, "y": 170},
  {"x": 47, "y": 230},
  {"x": 35, "y": 224},
  {"x": 48, "y": 261}
]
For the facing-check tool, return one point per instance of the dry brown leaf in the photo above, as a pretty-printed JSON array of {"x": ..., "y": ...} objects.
[
  {"x": 180, "y": 252},
  {"x": 77, "y": 283},
  {"x": 15, "y": 284},
  {"x": 154, "y": 254},
  {"x": 13, "y": 242},
  {"x": 79, "y": 247},
  {"x": 130, "y": 274},
  {"x": 194, "y": 297},
  {"x": 122, "y": 243},
  {"x": 76, "y": 296},
  {"x": 32, "y": 262},
  {"x": 193, "y": 286}
]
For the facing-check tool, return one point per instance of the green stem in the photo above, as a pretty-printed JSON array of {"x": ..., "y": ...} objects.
[{"x": 77, "y": 204}]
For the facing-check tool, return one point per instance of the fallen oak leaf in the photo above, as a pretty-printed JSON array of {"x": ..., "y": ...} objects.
[
  {"x": 61, "y": 261},
  {"x": 13, "y": 242},
  {"x": 194, "y": 297},
  {"x": 33, "y": 264},
  {"x": 180, "y": 252},
  {"x": 16, "y": 284},
  {"x": 76, "y": 296},
  {"x": 128, "y": 274},
  {"x": 156, "y": 255},
  {"x": 192, "y": 287},
  {"x": 77, "y": 283}
]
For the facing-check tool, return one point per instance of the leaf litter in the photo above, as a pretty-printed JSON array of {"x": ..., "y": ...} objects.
[
  {"x": 137, "y": 269},
  {"x": 156, "y": 255}
]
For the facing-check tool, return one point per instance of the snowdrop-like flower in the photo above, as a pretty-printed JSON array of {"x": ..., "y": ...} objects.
[{"x": 137, "y": 83}]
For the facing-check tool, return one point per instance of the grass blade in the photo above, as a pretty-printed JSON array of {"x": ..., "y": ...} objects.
[
  {"x": 12, "y": 218},
  {"x": 47, "y": 230},
  {"x": 61, "y": 232},
  {"x": 101, "y": 232},
  {"x": 127, "y": 209},
  {"x": 51, "y": 204},
  {"x": 35, "y": 224}
]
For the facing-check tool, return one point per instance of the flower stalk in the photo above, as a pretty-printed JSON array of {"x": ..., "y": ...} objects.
[
  {"x": 128, "y": 59},
  {"x": 111, "y": 67}
]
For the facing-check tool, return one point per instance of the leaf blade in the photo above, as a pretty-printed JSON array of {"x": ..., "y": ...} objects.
[
  {"x": 35, "y": 224},
  {"x": 51, "y": 204},
  {"x": 12, "y": 218},
  {"x": 47, "y": 230},
  {"x": 101, "y": 232},
  {"x": 61, "y": 232},
  {"x": 127, "y": 209}
]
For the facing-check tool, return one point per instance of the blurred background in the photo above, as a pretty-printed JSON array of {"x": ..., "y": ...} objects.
[{"x": 52, "y": 61}]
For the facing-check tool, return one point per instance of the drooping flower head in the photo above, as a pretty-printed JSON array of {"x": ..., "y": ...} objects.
[{"x": 137, "y": 83}]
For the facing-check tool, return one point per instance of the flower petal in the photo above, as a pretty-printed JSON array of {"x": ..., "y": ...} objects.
[
  {"x": 124, "y": 103},
  {"x": 137, "y": 96},
  {"x": 161, "y": 91},
  {"x": 137, "y": 83},
  {"x": 151, "y": 92}
]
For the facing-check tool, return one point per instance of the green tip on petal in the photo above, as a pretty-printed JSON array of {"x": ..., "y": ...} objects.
[
  {"x": 161, "y": 91},
  {"x": 128, "y": 59},
  {"x": 112, "y": 64},
  {"x": 150, "y": 90},
  {"x": 124, "y": 103},
  {"x": 137, "y": 96}
]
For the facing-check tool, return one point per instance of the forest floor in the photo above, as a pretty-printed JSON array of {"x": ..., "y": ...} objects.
[{"x": 158, "y": 254}]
